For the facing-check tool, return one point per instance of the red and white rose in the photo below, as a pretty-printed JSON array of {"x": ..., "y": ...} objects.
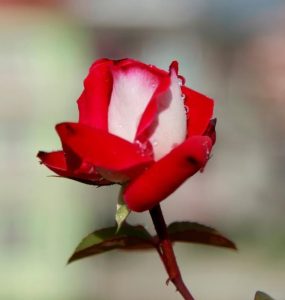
[{"x": 138, "y": 126}]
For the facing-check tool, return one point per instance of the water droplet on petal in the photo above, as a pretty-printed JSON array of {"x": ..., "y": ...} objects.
[
  {"x": 154, "y": 143},
  {"x": 183, "y": 97},
  {"x": 180, "y": 81},
  {"x": 142, "y": 147}
]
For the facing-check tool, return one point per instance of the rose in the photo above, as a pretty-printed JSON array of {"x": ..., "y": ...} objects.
[{"x": 138, "y": 126}]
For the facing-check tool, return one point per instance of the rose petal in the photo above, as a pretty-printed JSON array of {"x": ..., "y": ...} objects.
[
  {"x": 104, "y": 150},
  {"x": 175, "y": 66},
  {"x": 171, "y": 129},
  {"x": 200, "y": 109},
  {"x": 94, "y": 100},
  {"x": 53, "y": 160},
  {"x": 134, "y": 85},
  {"x": 166, "y": 175},
  {"x": 148, "y": 121},
  {"x": 56, "y": 162}
]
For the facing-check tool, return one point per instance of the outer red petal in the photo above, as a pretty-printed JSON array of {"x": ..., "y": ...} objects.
[
  {"x": 94, "y": 100},
  {"x": 56, "y": 162},
  {"x": 166, "y": 175},
  {"x": 103, "y": 150},
  {"x": 200, "y": 111}
]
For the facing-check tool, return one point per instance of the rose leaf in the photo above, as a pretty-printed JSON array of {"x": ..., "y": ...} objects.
[
  {"x": 190, "y": 232},
  {"x": 262, "y": 296},
  {"x": 128, "y": 238}
]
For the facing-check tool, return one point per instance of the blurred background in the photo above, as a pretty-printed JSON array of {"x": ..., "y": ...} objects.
[{"x": 233, "y": 51}]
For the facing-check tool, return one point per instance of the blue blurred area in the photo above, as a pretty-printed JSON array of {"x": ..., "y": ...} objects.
[{"x": 233, "y": 51}]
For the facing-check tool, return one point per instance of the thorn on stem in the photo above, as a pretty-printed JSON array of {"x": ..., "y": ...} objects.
[{"x": 167, "y": 281}]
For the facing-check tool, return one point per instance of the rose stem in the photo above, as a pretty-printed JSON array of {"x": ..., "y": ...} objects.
[{"x": 167, "y": 254}]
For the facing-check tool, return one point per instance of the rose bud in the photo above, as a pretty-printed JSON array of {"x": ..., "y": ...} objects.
[{"x": 139, "y": 126}]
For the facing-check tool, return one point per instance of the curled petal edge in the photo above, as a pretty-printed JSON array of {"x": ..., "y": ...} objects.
[
  {"x": 56, "y": 162},
  {"x": 111, "y": 155},
  {"x": 200, "y": 111}
]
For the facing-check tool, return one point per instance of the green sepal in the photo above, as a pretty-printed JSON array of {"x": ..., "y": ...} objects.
[{"x": 122, "y": 211}]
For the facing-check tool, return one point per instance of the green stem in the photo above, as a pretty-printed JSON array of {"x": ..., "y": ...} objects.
[{"x": 166, "y": 253}]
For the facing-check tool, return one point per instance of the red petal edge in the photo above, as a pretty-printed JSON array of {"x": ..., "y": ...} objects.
[
  {"x": 104, "y": 150},
  {"x": 166, "y": 175},
  {"x": 175, "y": 66},
  {"x": 56, "y": 162},
  {"x": 200, "y": 109}
]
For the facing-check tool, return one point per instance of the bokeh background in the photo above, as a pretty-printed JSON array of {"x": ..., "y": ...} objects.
[{"x": 233, "y": 51}]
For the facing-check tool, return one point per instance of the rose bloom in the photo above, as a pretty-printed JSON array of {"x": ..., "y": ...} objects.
[{"x": 139, "y": 126}]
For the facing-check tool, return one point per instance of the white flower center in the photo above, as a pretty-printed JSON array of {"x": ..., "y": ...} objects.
[{"x": 132, "y": 90}]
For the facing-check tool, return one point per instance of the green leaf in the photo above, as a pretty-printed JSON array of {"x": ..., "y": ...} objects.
[
  {"x": 190, "y": 232},
  {"x": 128, "y": 238},
  {"x": 122, "y": 211},
  {"x": 262, "y": 296}
]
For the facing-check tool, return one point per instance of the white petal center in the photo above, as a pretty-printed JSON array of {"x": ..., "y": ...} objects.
[{"x": 132, "y": 91}]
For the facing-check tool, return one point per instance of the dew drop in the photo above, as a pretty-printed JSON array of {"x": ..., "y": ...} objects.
[
  {"x": 142, "y": 148},
  {"x": 180, "y": 81},
  {"x": 154, "y": 143},
  {"x": 183, "y": 97}
]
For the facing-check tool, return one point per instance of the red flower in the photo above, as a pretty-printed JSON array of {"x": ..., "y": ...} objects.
[{"x": 138, "y": 126}]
